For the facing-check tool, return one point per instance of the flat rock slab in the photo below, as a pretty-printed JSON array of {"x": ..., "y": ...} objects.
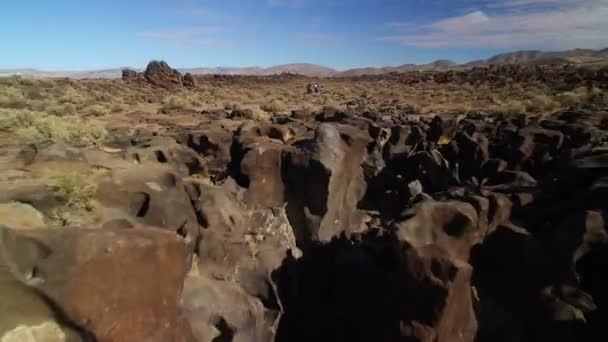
[
  {"x": 21, "y": 216},
  {"x": 118, "y": 285}
]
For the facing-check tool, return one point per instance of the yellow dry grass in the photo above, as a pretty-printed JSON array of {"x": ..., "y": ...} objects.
[{"x": 111, "y": 100}]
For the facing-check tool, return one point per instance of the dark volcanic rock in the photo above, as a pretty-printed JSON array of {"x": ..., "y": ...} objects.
[
  {"x": 325, "y": 183},
  {"x": 213, "y": 144},
  {"x": 163, "y": 150},
  {"x": 154, "y": 197},
  {"x": 433, "y": 171},
  {"x": 442, "y": 128},
  {"x": 189, "y": 81},
  {"x": 160, "y": 74},
  {"x": 414, "y": 294},
  {"x": 328, "y": 227},
  {"x": 107, "y": 282},
  {"x": 129, "y": 75},
  {"x": 221, "y": 310},
  {"x": 262, "y": 167},
  {"x": 451, "y": 225}
]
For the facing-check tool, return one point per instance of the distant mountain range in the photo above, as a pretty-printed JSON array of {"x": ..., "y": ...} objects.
[
  {"x": 297, "y": 68},
  {"x": 585, "y": 57}
]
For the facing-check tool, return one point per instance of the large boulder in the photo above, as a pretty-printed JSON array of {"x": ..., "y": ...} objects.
[
  {"x": 165, "y": 150},
  {"x": 437, "y": 290},
  {"x": 26, "y": 314},
  {"x": 189, "y": 81},
  {"x": 212, "y": 143},
  {"x": 451, "y": 225},
  {"x": 160, "y": 74},
  {"x": 262, "y": 166},
  {"x": 221, "y": 310},
  {"x": 115, "y": 285},
  {"x": 231, "y": 294},
  {"x": 325, "y": 183},
  {"x": 21, "y": 216},
  {"x": 149, "y": 195},
  {"x": 129, "y": 75},
  {"x": 234, "y": 232},
  {"x": 472, "y": 151},
  {"x": 432, "y": 170},
  {"x": 257, "y": 161},
  {"x": 404, "y": 140},
  {"x": 442, "y": 128}
]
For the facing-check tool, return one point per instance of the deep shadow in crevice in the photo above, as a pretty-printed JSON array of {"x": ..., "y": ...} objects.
[
  {"x": 145, "y": 205},
  {"x": 306, "y": 193},
  {"x": 594, "y": 281},
  {"x": 237, "y": 153},
  {"x": 226, "y": 332},
  {"x": 457, "y": 225},
  {"x": 353, "y": 291},
  {"x": 387, "y": 193},
  {"x": 160, "y": 156}
]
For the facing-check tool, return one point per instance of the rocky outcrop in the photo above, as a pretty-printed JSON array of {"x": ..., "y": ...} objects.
[
  {"x": 189, "y": 81},
  {"x": 129, "y": 75},
  {"x": 501, "y": 75},
  {"x": 157, "y": 198},
  {"x": 160, "y": 74},
  {"x": 419, "y": 294},
  {"x": 325, "y": 182},
  {"x": 314, "y": 227}
]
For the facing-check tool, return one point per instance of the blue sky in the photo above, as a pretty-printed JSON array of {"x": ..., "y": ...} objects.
[{"x": 94, "y": 34}]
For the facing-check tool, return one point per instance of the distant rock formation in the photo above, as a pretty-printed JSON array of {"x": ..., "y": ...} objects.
[
  {"x": 160, "y": 74},
  {"x": 129, "y": 75},
  {"x": 189, "y": 80}
]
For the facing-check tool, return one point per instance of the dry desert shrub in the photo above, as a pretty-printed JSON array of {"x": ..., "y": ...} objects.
[
  {"x": 331, "y": 104},
  {"x": 174, "y": 102},
  {"x": 508, "y": 105},
  {"x": 259, "y": 115},
  {"x": 117, "y": 107},
  {"x": 598, "y": 96},
  {"x": 7, "y": 81},
  {"x": 540, "y": 104},
  {"x": 570, "y": 99},
  {"x": 73, "y": 96},
  {"x": 230, "y": 105},
  {"x": 254, "y": 112},
  {"x": 76, "y": 190},
  {"x": 38, "y": 105},
  {"x": 274, "y": 106},
  {"x": 61, "y": 109},
  {"x": 12, "y": 97},
  {"x": 29, "y": 126},
  {"x": 580, "y": 96},
  {"x": 96, "y": 110},
  {"x": 11, "y": 120}
]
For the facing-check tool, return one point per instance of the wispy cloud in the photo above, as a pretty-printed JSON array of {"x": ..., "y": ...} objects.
[
  {"x": 205, "y": 36},
  {"x": 560, "y": 24},
  {"x": 533, "y": 3},
  {"x": 462, "y": 23}
]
